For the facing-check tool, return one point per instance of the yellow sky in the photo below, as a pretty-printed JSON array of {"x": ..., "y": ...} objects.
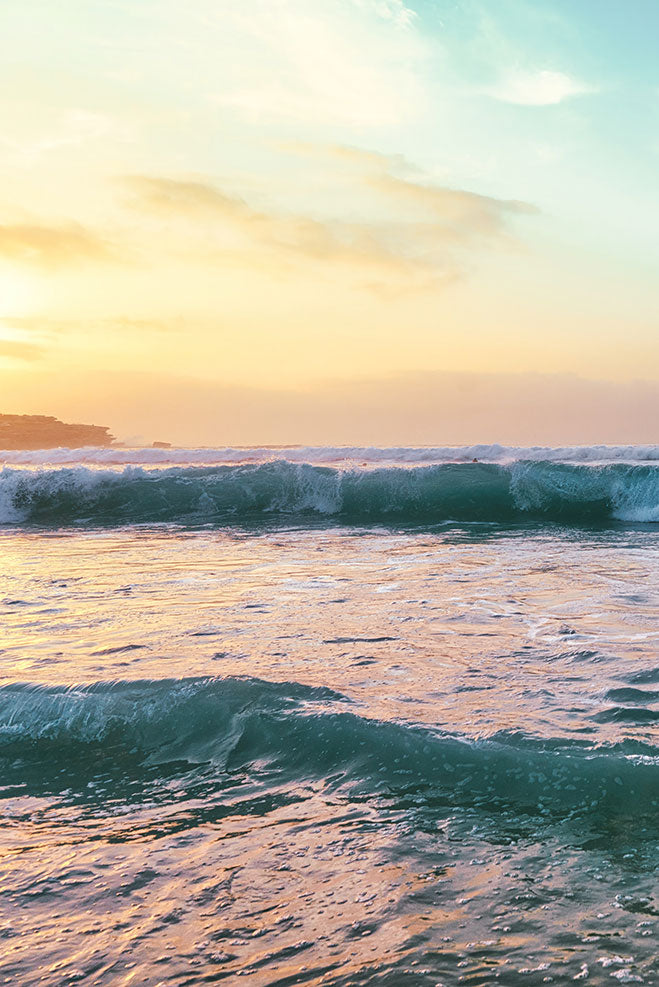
[{"x": 225, "y": 202}]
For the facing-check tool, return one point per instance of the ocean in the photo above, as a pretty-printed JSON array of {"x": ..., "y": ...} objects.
[{"x": 329, "y": 716}]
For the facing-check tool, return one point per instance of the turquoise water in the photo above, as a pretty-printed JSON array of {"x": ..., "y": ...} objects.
[
  {"x": 329, "y": 724},
  {"x": 253, "y": 492}
]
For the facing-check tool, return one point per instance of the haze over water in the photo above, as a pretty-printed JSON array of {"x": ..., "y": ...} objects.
[{"x": 330, "y": 724}]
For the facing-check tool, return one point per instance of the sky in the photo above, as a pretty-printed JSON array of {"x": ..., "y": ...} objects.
[{"x": 331, "y": 221}]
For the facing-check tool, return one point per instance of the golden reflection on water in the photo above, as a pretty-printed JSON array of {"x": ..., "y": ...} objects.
[
  {"x": 119, "y": 868},
  {"x": 474, "y": 634}
]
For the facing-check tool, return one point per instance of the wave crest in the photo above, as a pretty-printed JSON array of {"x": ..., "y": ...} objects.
[
  {"x": 490, "y": 453},
  {"x": 523, "y": 490},
  {"x": 301, "y": 732}
]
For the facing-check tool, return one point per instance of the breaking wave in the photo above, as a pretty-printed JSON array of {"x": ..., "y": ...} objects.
[
  {"x": 490, "y": 453},
  {"x": 247, "y": 493},
  {"x": 295, "y": 732}
]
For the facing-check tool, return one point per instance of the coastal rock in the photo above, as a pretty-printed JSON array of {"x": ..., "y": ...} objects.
[{"x": 47, "y": 432}]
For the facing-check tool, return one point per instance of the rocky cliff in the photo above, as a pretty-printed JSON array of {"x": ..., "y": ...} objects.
[{"x": 45, "y": 432}]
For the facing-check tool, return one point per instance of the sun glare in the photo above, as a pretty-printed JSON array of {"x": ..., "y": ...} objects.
[{"x": 17, "y": 293}]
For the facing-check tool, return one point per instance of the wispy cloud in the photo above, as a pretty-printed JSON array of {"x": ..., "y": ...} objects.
[
  {"x": 539, "y": 88},
  {"x": 289, "y": 236},
  {"x": 355, "y": 63},
  {"x": 414, "y": 228},
  {"x": 20, "y": 351},
  {"x": 50, "y": 246},
  {"x": 185, "y": 197},
  {"x": 389, "y": 10},
  {"x": 73, "y": 128},
  {"x": 460, "y": 213},
  {"x": 453, "y": 214}
]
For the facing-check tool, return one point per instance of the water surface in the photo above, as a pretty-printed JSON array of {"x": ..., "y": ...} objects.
[{"x": 278, "y": 733}]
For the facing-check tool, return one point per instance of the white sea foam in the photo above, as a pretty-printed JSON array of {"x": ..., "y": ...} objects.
[
  {"x": 331, "y": 454},
  {"x": 149, "y": 493}
]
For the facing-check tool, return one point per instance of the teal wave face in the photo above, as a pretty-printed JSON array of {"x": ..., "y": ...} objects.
[
  {"x": 461, "y": 492},
  {"x": 293, "y": 733}
]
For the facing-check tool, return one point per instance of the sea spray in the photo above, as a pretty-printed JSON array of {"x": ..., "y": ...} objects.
[
  {"x": 356, "y": 455},
  {"x": 234, "y": 494}
]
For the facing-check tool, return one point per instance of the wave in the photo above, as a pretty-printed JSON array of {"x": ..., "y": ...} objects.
[
  {"x": 489, "y": 453},
  {"x": 299, "y": 732},
  {"x": 249, "y": 493}
]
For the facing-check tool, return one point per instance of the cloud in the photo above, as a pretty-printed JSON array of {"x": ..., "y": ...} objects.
[
  {"x": 205, "y": 203},
  {"x": 544, "y": 88},
  {"x": 354, "y": 63},
  {"x": 359, "y": 157},
  {"x": 20, "y": 351},
  {"x": 290, "y": 235},
  {"x": 450, "y": 212},
  {"x": 169, "y": 194},
  {"x": 453, "y": 214},
  {"x": 50, "y": 246},
  {"x": 73, "y": 128},
  {"x": 389, "y": 10},
  {"x": 411, "y": 233}
]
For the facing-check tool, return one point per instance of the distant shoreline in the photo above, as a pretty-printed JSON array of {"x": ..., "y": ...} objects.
[{"x": 26, "y": 432}]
